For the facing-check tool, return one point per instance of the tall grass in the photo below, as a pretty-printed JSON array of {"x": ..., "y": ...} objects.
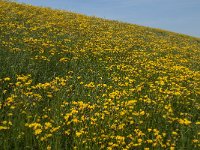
[{"x": 69, "y": 81}]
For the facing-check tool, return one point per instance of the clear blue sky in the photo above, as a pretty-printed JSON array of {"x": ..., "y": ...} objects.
[{"x": 182, "y": 16}]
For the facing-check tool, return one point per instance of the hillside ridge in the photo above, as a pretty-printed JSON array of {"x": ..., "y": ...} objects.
[{"x": 70, "y": 81}]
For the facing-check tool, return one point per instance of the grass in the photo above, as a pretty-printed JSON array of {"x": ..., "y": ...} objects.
[{"x": 70, "y": 81}]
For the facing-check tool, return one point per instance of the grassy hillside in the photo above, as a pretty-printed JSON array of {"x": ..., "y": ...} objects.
[{"x": 68, "y": 81}]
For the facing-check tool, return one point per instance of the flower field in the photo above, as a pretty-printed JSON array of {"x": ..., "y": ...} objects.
[{"x": 69, "y": 81}]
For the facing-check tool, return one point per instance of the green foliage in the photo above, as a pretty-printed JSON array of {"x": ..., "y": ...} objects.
[{"x": 68, "y": 81}]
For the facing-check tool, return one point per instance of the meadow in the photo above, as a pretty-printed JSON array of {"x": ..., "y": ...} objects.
[{"x": 69, "y": 81}]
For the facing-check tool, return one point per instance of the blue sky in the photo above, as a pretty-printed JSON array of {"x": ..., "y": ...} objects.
[{"x": 182, "y": 16}]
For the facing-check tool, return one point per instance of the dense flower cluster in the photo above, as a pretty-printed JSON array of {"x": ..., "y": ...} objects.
[{"x": 68, "y": 81}]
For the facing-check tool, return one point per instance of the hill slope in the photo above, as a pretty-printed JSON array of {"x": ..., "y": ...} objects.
[{"x": 69, "y": 81}]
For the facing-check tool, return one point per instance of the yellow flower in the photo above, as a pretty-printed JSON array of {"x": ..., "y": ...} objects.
[
  {"x": 197, "y": 123},
  {"x": 48, "y": 147},
  {"x": 121, "y": 126},
  {"x": 7, "y": 79},
  {"x": 195, "y": 141},
  {"x": 149, "y": 130},
  {"x": 75, "y": 120},
  {"x": 149, "y": 141},
  {"x": 184, "y": 121},
  {"x": 174, "y": 133},
  {"x": 172, "y": 148},
  {"x": 38, "y": 131},
  {"x": 47, "y": 125},
  {"x": 67, "y": 132},
  {"x": 90, "y": 85},
  {"x": 120, "y": 138},
  {"x": 140, "y": 140},
  {"x": 78, "y": 134},
  {"x": 4, "y": 128},
  {"x": 142, "y": 113},
  {"x": 54, "y": 129},
  {"x": 64, "y": 59}
]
